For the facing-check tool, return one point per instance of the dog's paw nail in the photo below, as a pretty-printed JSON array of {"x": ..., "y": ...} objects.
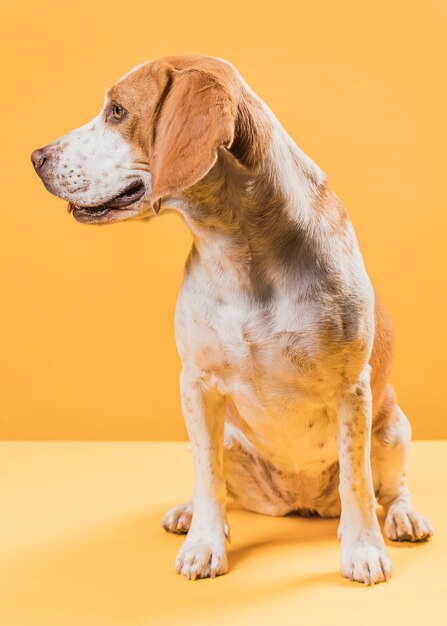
[{"x": 227, "y": 532}]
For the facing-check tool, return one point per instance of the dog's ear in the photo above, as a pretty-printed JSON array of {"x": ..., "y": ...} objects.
[{"x": 195, "y": 116}]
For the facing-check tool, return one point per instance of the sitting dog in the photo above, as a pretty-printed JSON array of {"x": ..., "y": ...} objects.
[{"x": 286, "y": 348}]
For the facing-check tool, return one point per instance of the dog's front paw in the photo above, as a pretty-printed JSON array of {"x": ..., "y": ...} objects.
[
  {"x": 178, "y": 519},
  {"x": 365, "y": 563},
  {"x": 199, "y": 558},
  {"x": 404, "y": 524}
]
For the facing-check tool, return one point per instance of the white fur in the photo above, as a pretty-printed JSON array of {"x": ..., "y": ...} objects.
[{"x": 92, "y": 163}]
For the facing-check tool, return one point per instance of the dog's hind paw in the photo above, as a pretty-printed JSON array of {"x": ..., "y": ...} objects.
[
  {"x": 404, "y": 524},
  {"x": 178, "y": 519}
]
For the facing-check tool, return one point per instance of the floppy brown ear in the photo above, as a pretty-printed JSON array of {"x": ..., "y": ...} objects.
[{"x": 195, "y": 117}]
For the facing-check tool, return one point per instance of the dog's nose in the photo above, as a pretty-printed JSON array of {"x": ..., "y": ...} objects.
[{"x": 38, "y": 157}]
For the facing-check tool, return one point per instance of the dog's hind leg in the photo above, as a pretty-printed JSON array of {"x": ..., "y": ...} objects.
[
  {"x": 253, "y": 482},
  {"x": 389, "y": 452}
]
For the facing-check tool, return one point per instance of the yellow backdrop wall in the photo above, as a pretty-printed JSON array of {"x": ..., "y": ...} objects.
[{"x": 86, "y": 319}]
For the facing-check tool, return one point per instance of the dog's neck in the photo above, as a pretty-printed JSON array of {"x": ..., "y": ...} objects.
[{"x": 250, "y": 225}]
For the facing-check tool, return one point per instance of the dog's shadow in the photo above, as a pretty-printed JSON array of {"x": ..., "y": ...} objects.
[
  {"x": 296, "y": 529},
  {"x": 262, "y": 533}
]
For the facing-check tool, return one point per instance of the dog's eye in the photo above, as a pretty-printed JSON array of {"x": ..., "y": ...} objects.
[{"x": 118, "y": 112}]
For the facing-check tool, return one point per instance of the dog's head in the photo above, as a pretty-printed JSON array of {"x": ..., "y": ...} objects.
[{"x": 159, "y": 132}]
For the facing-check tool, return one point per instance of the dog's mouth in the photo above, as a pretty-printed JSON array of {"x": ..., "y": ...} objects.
[{"x": 129, "y": 196}]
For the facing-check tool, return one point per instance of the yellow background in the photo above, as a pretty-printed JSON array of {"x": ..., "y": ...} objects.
[{"x": 86, "y": 317}]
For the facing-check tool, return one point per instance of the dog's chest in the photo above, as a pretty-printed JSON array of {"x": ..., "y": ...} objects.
[
  {"x": 273, "y": 369},
  {"x": 271, "y": 351}
]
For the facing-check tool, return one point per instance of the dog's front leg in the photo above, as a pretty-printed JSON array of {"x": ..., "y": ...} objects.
[
  {"x": 363, "y": 554},
  {"x": 202, "y": 555}
]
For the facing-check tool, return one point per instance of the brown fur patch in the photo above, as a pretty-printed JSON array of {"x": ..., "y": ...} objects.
[
  {"x": 327, "y": 202},
  {"x": 180, "y": 111},
  {"x": 253, "y": 132}
]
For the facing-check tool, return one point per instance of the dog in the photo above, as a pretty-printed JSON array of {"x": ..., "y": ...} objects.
[{"x": 285, "y": 346}]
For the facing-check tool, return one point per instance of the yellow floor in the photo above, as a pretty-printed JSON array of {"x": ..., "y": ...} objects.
[{"x": 82, "y": 545}]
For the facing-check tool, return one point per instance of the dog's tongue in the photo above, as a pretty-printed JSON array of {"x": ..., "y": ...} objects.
[{"x": 70, "y": 207}]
